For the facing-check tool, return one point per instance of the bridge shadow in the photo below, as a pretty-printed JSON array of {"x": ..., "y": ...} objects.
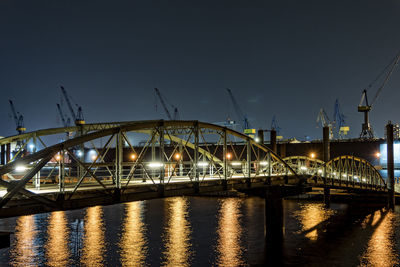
[{"x": 339, "y": 239}]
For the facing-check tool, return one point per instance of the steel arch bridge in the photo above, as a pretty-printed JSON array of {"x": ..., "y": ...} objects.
[{"x": 101, "y": 164}]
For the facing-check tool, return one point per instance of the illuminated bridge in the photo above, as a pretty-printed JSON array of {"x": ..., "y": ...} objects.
[{"x": 108, "y": 163}]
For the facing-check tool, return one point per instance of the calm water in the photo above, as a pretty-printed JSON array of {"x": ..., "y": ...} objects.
[{"x": 200, "y": 231}]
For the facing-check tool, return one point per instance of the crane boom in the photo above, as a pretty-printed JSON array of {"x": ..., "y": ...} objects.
[
  {"x": 77, "y": 117},
  {"x": 62, "y": 116},
  {"x": 238, "y": 110},
  {"x": 18, "y": 119},
  {"x": 68, "y": 102},
  {"x": 163, "y": 104}
]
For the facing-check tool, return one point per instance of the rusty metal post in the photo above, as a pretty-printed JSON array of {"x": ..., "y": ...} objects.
[
  {"x": 326, "y": 158},
  {"x": 390, "y": 164},
  {"x": 273, "y": 141}
]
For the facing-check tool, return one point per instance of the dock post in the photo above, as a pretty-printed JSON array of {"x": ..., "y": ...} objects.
[
  {"x": 326, "y": 157},
  {"x": 274, "y": 224},
  {"x": 273, "y": 141},
  {"x": 390, "y": 164}
]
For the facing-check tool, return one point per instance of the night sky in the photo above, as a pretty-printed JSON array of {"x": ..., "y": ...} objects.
[{"x": 283, "y": 58}]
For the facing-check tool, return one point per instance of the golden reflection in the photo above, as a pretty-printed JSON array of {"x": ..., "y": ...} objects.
[
  {"x": 93, "y": 240},
  {"x": 57, "y": 245},
  {"x": 177, "y": 238},
  {"x": 24, "y": 252},
  {"x": 229, "y": 230},
  {"x": 133, "y": 241},
  {"x": 381, "y": 249},
  {"x": 310, "y": 215}
]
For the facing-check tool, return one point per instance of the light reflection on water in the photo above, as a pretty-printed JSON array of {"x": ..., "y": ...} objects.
[
  {"x": 57, "y": 252},
  {"x": 23, "y": 252},
  {"x": 170, "y": 235},
  {"x": 381, "y": 248},
  {"x": 93, "y": 240},
  {"x": 310, "y": 216},
  {"x": 177, "y": 233},
  {"x": 229, "y": 233},
  {"x": 133, "y": 243}
]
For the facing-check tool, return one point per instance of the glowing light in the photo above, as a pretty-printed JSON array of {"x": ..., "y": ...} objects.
[
  {"x": 31, "y": 146},
  {"x": 202, "y": 164},
  {"x": 257, "y": 139},
  {"x": 177, "y": 156},
  {"x": 312, "y": 155},
  {"x": 155, "y": 165},
  {"x": 378, "y": 155},
  {"x": 79, "y": 153},
  {"x": 303, "y": 168},
  {"x": 236, "y": 163},
  {"x": 319, "y": 171},
  {"x": 355, "y": 177},
  {"x": 94, "y": 157},
  {"x": 133, "y": 156},
  {"x": 20, "y": 168},
  {"x": 344, "y": 175},
  {"x": 263, "y": 163},
  {"x": 229, "y": 156},
  {"x": 58, "y": 157}
]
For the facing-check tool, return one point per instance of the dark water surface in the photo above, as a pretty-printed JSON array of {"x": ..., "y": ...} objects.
[{"x": 201, "y": 231}]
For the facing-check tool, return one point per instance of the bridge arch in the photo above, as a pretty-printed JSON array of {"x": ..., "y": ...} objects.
[{"x": 229, "y": 155}]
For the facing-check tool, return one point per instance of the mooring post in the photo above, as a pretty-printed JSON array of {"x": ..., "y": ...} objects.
[
  {"x": 390, "y": 164},
  {"x": 274, "y": 223},
  {"x": 273, "y": 140},
  {"x": 326, "y": 157}
]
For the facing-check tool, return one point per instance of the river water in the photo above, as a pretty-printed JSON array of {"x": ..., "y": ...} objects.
[{"x": 203, "y": 231}]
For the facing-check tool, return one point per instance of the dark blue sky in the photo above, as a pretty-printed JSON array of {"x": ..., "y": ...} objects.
[{"x": 287, "y": 58}]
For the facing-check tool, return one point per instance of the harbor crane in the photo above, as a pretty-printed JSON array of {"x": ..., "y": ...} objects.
[
  {"x": 239, "y": 113},
  {"x": 339, "y": 120},
  {"x": 78, "y": 116},
  {"x": 176, "y": 112},
  {"x": 18, "y": 119},
  {"x": 324, "y": 120},
  {"x": 366, "y": 128}
]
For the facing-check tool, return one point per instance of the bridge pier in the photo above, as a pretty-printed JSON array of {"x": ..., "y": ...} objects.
[
  {"x": 274, "y": 224},
  {"x": 326, "y": 157},
  {"x": 390, "y": 165}
]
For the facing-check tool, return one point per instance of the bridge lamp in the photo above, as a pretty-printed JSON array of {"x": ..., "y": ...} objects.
[
  {"x": 94, "y": 157},
  {"x": 155, "y": 165},
  {"x": 228, "y": 156},
  {"x": 257, "y": 139},
  {"x": 79, "y": 153},
  {"x": 236, "y": 163},
  {"x": 58, "y": 157},
  {"x": 264, "y": 163},
  {"x": 344, "y": 175},
  {"x": 319, "y": 171},
  {"x": 303, "y": 168},
  {"x": 133, "y": 156},
  {"x": 202, "y": 164},
  {"x": 31, "y": 147},
  {"x": 20, "y": 168},
  {"x": 312, "y": 155},
  {"x": 378, "y": 155},
  {"x": 177, "y": 156}
]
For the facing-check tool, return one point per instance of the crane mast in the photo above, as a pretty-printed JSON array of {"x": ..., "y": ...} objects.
[
  {"x": 64, "y": 121},
  {"x": 18, "y": 119}
]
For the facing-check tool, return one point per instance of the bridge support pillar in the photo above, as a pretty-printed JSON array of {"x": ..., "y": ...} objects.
[
  {"x": 326, "y": 157},
  {"x": 273, "y": 141},
  {"x": 274, "y": 224},
  {"x": 8, "y": 152},
  {"x": 390, "y": 165}
]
